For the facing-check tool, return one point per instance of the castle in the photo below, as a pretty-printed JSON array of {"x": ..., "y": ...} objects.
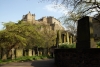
[
  {"x": 52, "y": 25},
  {"x": 52, "y": 22}
]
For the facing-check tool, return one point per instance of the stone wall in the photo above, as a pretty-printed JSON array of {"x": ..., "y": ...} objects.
[
  {"x": 77, "y": 57},
  {"x": 85, "y": 54}
]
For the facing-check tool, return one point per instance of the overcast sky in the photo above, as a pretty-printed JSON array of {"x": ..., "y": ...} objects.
[{"x": 13, "y": 10}]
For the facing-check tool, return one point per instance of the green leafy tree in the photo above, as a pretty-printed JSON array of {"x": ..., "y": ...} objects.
[
  {"x": 20, "y": 35},
  {"x": 26, "y": 30},
  {"x": 48, "y": 35},
  {"x": 9, "y": 40}
]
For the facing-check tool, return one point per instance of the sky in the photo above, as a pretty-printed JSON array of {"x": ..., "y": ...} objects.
[{"x": 13, "y": 10}]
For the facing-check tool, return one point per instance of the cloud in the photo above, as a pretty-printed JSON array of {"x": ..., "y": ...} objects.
[{"x": 56, "y": 8}]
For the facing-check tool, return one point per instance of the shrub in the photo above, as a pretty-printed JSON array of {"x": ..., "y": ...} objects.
[
  {"x": 98, "y": 44},
  {"x": 67, "y": 46},
  {"x": 36, "y": 57}
]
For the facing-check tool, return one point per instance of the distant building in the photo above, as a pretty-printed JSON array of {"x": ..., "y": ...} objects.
[{"x": 52, "y": 22}]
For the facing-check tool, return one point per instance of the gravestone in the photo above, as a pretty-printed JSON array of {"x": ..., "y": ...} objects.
[
  {"x": 19, "y": 53},
  {"x": 30, "y": 52},
  {"x": 33, "y": 52},
  {"x": 13, "y": 53},
  {"x": 85, "y": 33}
]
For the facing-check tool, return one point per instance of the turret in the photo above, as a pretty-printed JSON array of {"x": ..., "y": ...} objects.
[{"x": 29, "y": 17}]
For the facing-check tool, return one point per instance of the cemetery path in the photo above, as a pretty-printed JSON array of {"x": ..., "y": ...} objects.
[{"x": 36, "y": 63}]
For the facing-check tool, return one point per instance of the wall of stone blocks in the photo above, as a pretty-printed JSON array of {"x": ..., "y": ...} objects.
[{"x": 77, "y": 57}]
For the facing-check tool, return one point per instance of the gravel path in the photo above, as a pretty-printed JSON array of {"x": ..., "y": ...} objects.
[{"x": 36, "y": 63}]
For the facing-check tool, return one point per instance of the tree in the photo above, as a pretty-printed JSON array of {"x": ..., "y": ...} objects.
[
  {"x": 26, "y": 30},
  {"x": 90, "y": 5},
  {"x": 9, "y": 40},
  {"x": 70, "y": 22},
  {"x": 78, "y": 9},
  {"x": 48, "y": 35},
  {"x": 21, "y": 35}
]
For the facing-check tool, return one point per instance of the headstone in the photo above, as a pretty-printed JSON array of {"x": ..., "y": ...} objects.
[
  {"x": 85, "y": 33},
  {"x": 33, "y": 52},
  {"x": 25, "y": 52},
  {"x": 19, "y": 53},
  {"x": 13, "y": 53},
  {"x": 37, "y": 53},
  {"x": 30, "y": 52}
]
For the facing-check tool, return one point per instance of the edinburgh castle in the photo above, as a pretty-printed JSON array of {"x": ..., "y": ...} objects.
[
  {"x": 52, "y": 22},
  {"x": 52, "y": 25}
]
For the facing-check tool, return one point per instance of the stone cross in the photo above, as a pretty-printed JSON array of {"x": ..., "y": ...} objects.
[{"x": 85, "y": 33}]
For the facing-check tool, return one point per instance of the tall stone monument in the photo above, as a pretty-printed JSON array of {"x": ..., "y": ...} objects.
[{"x": 85, "y": 33}]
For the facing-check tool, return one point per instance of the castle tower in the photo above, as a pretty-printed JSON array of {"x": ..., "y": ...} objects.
[
  {"x": 49, "y": 20},
  {"x": 44, "y": 19},
  {"x": 54, "y": 23},
  {"x": 29, "y": 17}
]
